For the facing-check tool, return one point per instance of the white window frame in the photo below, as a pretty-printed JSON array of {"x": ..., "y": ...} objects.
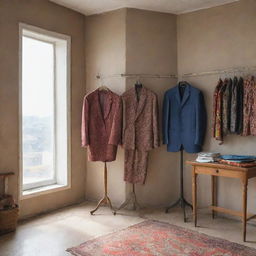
[{"x": 62, "y": 53}]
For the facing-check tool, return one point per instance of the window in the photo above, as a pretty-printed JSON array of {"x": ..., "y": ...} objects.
[{"x": 44, "y": 94}]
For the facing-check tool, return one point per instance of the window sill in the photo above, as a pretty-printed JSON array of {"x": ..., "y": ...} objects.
[{"x": 43, "y": 190}]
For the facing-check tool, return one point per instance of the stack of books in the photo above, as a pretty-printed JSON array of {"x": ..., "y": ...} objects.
[{"x": 207, "y": 157}]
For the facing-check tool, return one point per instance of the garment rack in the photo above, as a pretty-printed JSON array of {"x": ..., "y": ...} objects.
[
  {"x": 99, "y": 76},
  {"x": 222, "y": 71}
]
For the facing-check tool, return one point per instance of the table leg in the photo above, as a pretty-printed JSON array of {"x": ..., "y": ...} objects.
[
  {"x": 244, "y": 216},
  {"x": 214, "y": 199},
  {"x": 194, "y": 194}
]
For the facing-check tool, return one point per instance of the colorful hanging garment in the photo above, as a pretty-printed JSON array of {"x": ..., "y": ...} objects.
[
  {"x": 233, "y": 106},
  {"x": 217, "y": 111},
  {"x": 240, "y": 100},
  {"x": 226, "y": 100},
  {"x": 249, "y": 105}
]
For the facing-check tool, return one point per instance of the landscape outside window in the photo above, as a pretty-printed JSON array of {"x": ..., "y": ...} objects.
[{"x": 37, "y": 111}]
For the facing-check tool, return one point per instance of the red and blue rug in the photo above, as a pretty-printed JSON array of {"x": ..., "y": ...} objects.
[{"x": 154, "y": 238}]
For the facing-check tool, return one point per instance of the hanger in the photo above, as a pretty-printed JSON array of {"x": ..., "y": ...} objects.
[
  {"x": 102, "y": 87},
  {"x": 138, "y": 84},
  {"x": 183, "y": 84}
]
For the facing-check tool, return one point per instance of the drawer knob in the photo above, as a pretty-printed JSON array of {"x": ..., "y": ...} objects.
[{"x": 217, "y": 171}]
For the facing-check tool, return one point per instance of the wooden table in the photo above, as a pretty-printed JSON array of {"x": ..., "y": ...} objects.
[{"x": 223, "y": 170}]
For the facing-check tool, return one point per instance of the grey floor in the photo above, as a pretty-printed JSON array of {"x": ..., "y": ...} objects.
[{"x": 52, "y": 234}]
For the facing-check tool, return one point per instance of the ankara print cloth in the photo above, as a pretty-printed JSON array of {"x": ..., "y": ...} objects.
[
  {"x": 101, "y": 128},
  {"x": 217, "y": 111},
  {"x": 249, "y": 105},
  {"x": 234, "y": 108},
  {"x": 141, "y": 132}
]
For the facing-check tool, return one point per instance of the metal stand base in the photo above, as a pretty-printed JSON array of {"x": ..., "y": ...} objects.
[
  {"x": 132, "y": 199},
  {"x": 105, "y": 200},
  {"x": 181, "y": 201}
]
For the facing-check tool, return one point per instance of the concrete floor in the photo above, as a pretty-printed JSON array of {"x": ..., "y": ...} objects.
[{"x": 52, "y": 234}]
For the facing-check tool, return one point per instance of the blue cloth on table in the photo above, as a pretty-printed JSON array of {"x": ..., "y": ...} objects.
[{"x": 238, "y": 158}]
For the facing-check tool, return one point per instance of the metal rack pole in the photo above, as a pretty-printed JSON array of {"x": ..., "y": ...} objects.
[
  {"x": 124, "y": 75},
  {"x": 221, "y": 71}
]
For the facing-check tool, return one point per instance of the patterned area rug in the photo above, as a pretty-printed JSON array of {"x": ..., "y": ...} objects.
[{"x": 153, "y": 238}]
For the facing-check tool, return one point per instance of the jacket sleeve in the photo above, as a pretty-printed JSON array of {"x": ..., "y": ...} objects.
[
  {"x": 166, "y": 111},
  {"x": 85, "y": 123},
  {"x": 116, "y": 129},
  {"x": 201, "y": 119},
  {"x": 123, "y": 121},
  {"x": 156, "y": 139}
]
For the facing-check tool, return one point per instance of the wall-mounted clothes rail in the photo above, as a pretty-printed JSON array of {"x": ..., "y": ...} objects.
[
  {"x": 222, "y": 71},
  {"x": 99, "y": 76}
]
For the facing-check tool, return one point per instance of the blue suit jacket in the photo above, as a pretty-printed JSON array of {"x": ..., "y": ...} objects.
[{"x": 184, "y": 120}]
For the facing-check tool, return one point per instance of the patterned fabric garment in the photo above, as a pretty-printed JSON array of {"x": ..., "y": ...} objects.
[
  {"x": 240, "y": 100},
  {"x": 249, "y": 114},
  {"x": 135, "y": 166},
  {"x": 226, "y": 100},
  {"x": 216, "y": 108},
  {"x": 233, "y": 106},
  {"x": 253, "y": 116},
  {"x": 237, "y": 164},
  {"x": 141, "y": 132},
  {"x": 101, "y": 125},
  {"x": 217, "y": 111},
  {"x": 141, "y": 127}
]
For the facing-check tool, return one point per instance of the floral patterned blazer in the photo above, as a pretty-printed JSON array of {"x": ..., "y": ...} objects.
[
  {"x": 141, "y": 127},
  {"x": 101, "y": 125}
]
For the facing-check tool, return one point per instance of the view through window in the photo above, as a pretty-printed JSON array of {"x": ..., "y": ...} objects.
[{"x": 38, "y": 115}]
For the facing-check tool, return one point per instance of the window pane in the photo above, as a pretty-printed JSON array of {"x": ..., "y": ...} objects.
[{"x": 37, "y": 110}]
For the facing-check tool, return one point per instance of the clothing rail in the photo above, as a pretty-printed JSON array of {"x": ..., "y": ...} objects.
[
  {"x": 98, "y": 76},
  {"x": 222, "y": 71}
]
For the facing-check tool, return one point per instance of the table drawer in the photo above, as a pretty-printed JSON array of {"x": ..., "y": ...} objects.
[{"x": 218, "y": 172}]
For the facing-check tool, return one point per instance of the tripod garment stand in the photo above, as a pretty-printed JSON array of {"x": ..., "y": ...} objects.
[
  {"x": 181, "y": 201},
  {"x": 132, "y": 199},
  {"x": 105, "y": 200}
]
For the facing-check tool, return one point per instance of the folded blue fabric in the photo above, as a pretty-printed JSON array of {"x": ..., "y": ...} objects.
[{"x": 238, "y": 157}]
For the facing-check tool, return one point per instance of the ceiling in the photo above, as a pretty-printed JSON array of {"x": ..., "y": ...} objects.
[{"x": 89, "y": 7}]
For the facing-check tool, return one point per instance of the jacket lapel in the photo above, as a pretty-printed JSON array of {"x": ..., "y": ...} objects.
[
  {"x": 142, "y": 101},
  {"x": 177, "y": 94},
  {"x": 108, "y": 105},
  {"x": 186, "y": 95},
  {"x": 104, "y": 110}
]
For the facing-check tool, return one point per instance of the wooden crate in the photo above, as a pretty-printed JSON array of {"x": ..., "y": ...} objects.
[
  {"x": 9, "y": 212},
  {"x": 8, "y": 220}
]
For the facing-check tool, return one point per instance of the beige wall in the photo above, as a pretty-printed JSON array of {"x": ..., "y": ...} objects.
[
  {"x": 105, "y": 55},
  {"x": 132, "y": 41},
  {"x": 129, "y": 41},
  {"x": 216, "y": 38},
  {"x": 49, "y": 16},
  {"x": 151, "y": 48}
]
